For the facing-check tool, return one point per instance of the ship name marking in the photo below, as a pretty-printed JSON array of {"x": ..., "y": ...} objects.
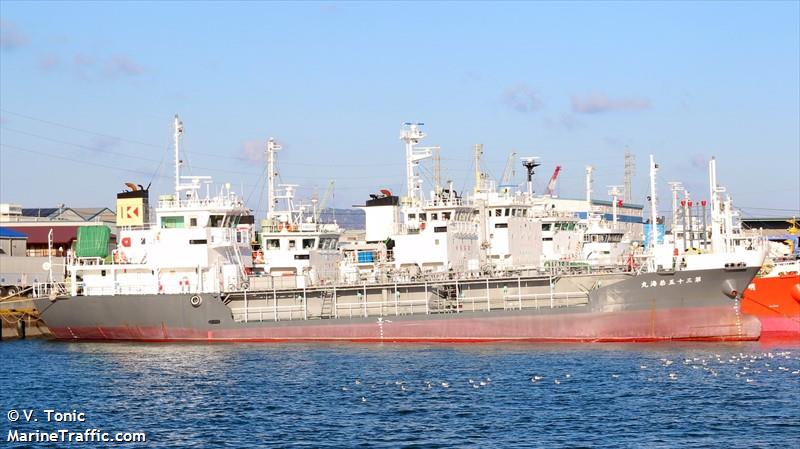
[{"x": 681, "y": 281}]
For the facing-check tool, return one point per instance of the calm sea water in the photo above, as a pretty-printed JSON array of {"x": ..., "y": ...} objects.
[{"x": 317, "y": 396}]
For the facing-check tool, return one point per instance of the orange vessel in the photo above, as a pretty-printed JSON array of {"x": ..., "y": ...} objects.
[{"x": 775, "y": 299}]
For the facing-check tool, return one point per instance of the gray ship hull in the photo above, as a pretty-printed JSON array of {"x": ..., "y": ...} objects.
[{"x": 688, "y": 305}]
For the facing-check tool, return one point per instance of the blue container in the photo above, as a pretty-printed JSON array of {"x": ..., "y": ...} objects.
[{"x": 366, "y": 256}]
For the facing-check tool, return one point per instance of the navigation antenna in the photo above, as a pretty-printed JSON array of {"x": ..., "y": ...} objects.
[{"x": 530, "y": 163}]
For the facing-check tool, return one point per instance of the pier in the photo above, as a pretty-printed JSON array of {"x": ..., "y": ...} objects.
[{"x": 20, "y": 319}]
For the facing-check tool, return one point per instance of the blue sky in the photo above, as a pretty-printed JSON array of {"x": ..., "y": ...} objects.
[{"x": 88, "y": 90}]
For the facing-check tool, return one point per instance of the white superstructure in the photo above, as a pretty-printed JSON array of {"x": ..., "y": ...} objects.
[
  {"x": 197, "y": 242},
  {"x": 294, "y": 243},
  {"x": 722, "y": 245}
]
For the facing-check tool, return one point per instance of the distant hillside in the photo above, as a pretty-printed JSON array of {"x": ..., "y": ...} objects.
[{"x": 347, "y": 218}]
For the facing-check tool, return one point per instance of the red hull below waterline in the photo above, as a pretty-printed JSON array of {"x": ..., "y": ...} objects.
[
  {"x": 776, "y": 303},
  {"x": 690, "y": 324}
]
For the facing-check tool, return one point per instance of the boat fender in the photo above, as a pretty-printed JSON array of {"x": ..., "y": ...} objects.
[{"x": 196, "y": 300}]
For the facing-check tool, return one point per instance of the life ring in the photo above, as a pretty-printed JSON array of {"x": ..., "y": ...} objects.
[
  {"x": 422, "y": 226},
  {"x": 196, "y": 300},
  {"x": 244, "y": 286}
]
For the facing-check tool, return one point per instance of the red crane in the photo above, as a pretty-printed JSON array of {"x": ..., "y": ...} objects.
[{"x": 552, "y": 184}]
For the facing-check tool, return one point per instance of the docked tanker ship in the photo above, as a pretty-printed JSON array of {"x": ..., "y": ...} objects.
[{"x": 189, "y": 276}]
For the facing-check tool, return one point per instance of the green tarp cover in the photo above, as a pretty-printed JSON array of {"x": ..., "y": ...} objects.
[{"x": 93, "y": 241}]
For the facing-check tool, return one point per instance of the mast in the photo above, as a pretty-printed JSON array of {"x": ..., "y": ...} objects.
[
  {"x": 589, "y": 170},
  {"x": 437, "y": 172},
  {"x": 178, "y": 125},
  {"x": 717, "y": 240},
  {"x": 272, "y": 147},
  {"x": 653, "y": 211},
  {"x": 614, "y": 192},
  {"x": 530, "y": 163},
  {"x": 478, "y": 151},
  {"x": 412, "y": 135},
  {"x": 675, "y": 187}
]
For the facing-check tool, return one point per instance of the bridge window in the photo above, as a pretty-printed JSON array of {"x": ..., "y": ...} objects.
[
  {"x": 215, "y": 221},
  {"x": 308, "y": 243},
  {"x": 172, "y": 222},
  {"x": 273, "y": 244},
  {"x": 327, "y": 243}
]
